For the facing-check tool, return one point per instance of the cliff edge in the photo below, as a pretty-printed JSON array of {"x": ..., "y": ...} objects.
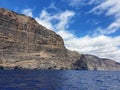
[{"x": 28, "y": 45}]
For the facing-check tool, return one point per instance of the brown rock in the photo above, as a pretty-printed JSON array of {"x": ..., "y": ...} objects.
[
  {"x": 26, "y": 44},
  {"x": 24, "y": 40}
]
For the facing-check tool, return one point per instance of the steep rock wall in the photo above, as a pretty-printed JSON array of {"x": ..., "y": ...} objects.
[
  {"x": 20, "y": 34},
  {"x": 28, "y": 45}
]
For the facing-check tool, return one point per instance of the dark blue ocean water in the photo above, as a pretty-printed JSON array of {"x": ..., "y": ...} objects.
[{"x": 59, "y": 80}]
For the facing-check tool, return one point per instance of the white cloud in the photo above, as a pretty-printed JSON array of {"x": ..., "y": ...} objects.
[
  {"x": 65, "y": 34},
  {"x": 94, "y": 2},
  {"x": 27, "y": 12},
  {"x": 102, "y": 46},
  {"x": 62, "y": 18},
  {"x": 45, "y": 19},
  {"x": 109, "y": 8},
  {"x": 74, "y": 3},
  {"x": 78, "y": 3}
]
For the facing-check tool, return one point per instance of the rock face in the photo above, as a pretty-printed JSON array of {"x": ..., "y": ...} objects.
[
  {"x": 26, "y": 44},
  {"x": 90, "y": 62}
]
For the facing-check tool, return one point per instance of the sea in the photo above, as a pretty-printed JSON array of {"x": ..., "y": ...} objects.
[{"x": 59, "y": 80}]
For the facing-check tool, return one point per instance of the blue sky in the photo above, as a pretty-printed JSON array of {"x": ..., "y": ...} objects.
[{"x": 87, "y": 26}]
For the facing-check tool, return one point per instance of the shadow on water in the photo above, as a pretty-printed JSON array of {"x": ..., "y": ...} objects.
[{"x": 58, "y": 80}]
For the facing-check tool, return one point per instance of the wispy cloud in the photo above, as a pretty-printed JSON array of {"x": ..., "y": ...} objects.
[
  {"x": 73, "y": 3},
  {"x": 62, "y": 21},
  {"x": 79, "y": 3},
  {"x": 90, "y": 2},
  {"x": 27, "y": 12},
  {"x": 45, "y": 19},
  {"x": 109, "y": 8},
  {"x": 52, "y": 6}
]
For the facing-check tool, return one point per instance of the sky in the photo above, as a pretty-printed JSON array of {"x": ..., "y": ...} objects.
[{"x": 86, "y": 26}]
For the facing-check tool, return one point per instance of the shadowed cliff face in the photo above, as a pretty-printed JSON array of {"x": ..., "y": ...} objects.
[
  {"x": 26, "y": 44},
  {"x": 90, "y": 62}
]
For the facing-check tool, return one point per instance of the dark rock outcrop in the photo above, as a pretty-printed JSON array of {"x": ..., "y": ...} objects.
[
  {"x": 28, "y": 45},
  {"x": 91, "y": 62}
]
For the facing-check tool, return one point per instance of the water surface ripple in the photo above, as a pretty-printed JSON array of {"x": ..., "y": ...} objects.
[{"x": 59, "y": 80}]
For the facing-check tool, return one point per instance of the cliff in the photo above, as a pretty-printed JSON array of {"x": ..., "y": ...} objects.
[
  {"x": 91, "y": 62},
  {"x": 28, "y": 45}
]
